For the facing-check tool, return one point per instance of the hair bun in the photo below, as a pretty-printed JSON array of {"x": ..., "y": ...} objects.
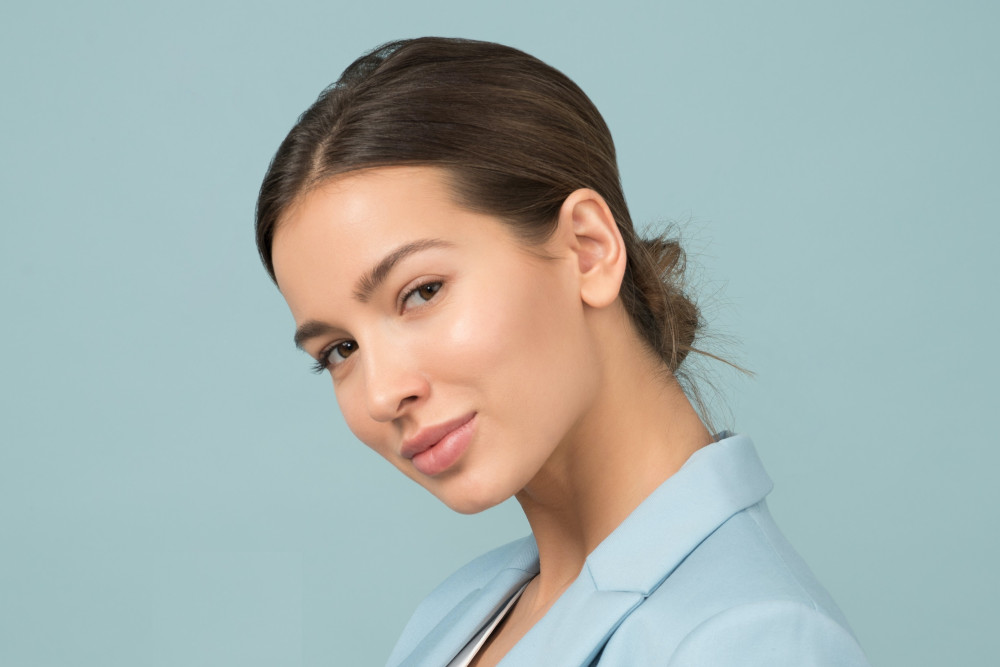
[{"x": 674, "y": 318}]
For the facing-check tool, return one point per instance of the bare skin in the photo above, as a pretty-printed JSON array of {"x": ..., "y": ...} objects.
[
  {"x": 577, "y": 500},
  {"x": 639, "y": 431},
  {"x": 573, "y": 414}
]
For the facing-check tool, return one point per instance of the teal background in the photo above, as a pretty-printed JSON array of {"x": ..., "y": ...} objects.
[{"x": 177, "y": 489}]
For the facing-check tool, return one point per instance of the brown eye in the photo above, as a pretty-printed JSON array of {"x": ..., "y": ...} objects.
[
  {"x": 334, "y": 355},
  {"x": 422, "y": 294},
  {"x": 428, "y": 291},
  {"x": 343, "y": 350}
]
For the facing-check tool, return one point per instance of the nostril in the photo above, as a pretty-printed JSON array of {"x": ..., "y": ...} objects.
[{"x": 389, "y": 396}]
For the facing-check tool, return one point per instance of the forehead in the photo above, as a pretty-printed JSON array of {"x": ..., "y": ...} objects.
[
  {"x": 384, "y": 197},
  {"x": 340, "y": 229},
  {"x": 361, "y": 209}
]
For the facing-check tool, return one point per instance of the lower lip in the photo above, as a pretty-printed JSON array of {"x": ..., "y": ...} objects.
[{"x": 447, "y": 451}]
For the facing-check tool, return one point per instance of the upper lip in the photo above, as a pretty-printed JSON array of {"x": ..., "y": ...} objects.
[{"x": 427, "y": 437}]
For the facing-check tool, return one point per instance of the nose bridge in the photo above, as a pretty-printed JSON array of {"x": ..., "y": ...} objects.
[{"x": 392, "y": 377}]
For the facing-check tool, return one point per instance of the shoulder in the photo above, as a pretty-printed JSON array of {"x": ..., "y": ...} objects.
[
  {"x": 772, "y": 633},
  {"x": 742, "y": 596}
]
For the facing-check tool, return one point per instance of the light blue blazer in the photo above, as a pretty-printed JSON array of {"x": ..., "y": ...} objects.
[{"x": 698, "y": 574}]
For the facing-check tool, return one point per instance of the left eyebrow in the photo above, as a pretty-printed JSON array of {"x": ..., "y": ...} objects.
[
  {"x": 374, "y": 277},
  {"x": 368, "y": 283}
]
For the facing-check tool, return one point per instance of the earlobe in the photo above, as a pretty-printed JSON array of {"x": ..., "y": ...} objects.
[{"x": 597, "y": 244}]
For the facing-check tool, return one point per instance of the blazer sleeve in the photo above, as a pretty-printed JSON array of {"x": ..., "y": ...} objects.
[{"x": 769, "y": 634}]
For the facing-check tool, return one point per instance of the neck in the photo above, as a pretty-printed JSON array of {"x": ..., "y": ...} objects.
[{"x": 639, "y": 432}]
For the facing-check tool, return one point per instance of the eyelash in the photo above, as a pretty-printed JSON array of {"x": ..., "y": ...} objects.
[
  {"x": 323, "y": 362},
  {"x": 406, "y": 295}
]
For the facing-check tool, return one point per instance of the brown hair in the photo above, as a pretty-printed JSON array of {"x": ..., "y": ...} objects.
[{"x": 517, "y": 137}]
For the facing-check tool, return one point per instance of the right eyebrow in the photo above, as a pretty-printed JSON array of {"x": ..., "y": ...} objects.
[{"x": 311, "y": 329}]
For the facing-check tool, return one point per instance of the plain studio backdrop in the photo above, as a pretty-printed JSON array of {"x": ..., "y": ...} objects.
[{"x": 177, "y": 489}]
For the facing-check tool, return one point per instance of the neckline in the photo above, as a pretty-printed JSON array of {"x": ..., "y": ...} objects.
[{"x": 472, "y": 648}]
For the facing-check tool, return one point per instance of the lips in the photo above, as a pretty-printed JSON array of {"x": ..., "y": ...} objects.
[{"x": 436, "y": 448}]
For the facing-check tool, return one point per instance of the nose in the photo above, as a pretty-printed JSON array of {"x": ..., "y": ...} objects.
[{"x": 393, "y": 380}]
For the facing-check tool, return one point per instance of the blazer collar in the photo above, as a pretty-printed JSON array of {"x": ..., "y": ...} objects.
[{"x": 715, "y": 483}]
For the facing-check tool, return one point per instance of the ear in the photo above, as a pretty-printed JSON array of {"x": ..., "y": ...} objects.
[{"x": 593, "y": 237}]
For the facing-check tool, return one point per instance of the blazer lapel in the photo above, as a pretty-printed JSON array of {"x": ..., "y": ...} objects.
[
  {"x": 575, "y": 629},
  {"x": 465, "y": 619},
  {"x": 717, "y": 482}
]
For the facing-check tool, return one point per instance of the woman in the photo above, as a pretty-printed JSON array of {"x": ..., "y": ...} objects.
[{"x": 448, "y": 228}]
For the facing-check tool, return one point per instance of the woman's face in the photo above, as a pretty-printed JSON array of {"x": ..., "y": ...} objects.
[{"x": 456, "y": 353}]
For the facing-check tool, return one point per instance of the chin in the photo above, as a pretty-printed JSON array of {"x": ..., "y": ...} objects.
[{"x": 470, "y": 498}]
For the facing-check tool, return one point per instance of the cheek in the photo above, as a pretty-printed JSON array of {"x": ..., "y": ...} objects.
[
  {"x": 524, "y": 337},
  {"x": 367, "y": 430},
  {"x": 492, "y": 330}
]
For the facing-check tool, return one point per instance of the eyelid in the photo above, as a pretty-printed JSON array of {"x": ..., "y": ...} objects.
[
  {"x": 414, "y": 286},
  {"x": 322, "y": 360}
]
